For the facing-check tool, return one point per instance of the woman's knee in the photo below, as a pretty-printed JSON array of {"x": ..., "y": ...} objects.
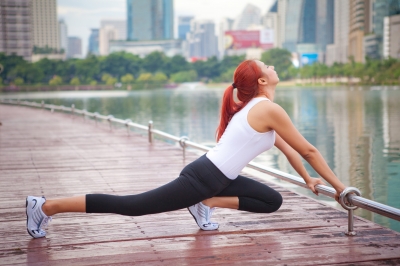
[{"x": 277, "y": 202}]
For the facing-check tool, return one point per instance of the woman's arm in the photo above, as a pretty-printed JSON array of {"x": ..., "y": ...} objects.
[
  {"x": 295, "y": 161},
  {"x": 279, "y": 121}
]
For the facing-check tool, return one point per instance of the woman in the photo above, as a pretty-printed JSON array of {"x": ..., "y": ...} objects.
[{"x": 247, "y": 128}]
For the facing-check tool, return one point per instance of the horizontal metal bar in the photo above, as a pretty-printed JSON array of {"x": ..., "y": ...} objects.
[
  {"x": 374, "y": 206},
  {"x": 165, "y": 135},
  {"x": 361, "y": 202},
  {"x": 197, "y": 146}
]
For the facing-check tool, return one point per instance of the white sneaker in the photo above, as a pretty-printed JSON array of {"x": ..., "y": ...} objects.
[
  {"x": 35, "y": 218},
  {"x": 202, "y": 214}
]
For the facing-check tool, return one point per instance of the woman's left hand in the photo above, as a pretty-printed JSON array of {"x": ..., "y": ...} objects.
[{"x": 313, "y": 182}]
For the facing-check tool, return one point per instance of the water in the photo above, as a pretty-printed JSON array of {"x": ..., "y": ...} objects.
[{"x": 357, "y": 130}]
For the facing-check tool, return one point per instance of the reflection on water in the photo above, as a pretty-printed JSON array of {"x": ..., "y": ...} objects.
[{"x": 356, "y": 130}]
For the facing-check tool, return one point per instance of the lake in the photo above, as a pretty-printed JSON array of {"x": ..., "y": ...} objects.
[{"x": 357, "y": 129}]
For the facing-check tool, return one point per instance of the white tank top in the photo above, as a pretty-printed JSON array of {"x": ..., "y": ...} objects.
[{"x": 240, "y": 143}]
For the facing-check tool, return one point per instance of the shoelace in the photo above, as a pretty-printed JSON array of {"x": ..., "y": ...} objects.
[{"x": 46, "y": 221}]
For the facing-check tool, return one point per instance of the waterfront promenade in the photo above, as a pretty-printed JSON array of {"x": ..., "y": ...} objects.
[{"x": 60, "y": 155}]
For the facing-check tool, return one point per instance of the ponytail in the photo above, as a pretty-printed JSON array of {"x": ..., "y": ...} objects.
[
  {"x": 245, "y": 79},
  {"x": 228, "y": 109}
]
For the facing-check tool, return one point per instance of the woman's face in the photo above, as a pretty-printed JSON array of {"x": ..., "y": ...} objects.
[{"x": 269, "y": 73}]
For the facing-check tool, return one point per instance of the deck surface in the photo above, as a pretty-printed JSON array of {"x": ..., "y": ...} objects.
[{"x": 58, "y": 155}]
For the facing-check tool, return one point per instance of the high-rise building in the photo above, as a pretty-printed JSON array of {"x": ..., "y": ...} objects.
[
  {"x": 110, "y": 30},
  {"x": 44, "y": 24},
  {"x": 226, "y": 24},
  {"x": 391, "y": 37},
  {"x": 202, "y": 42},
  {"x": 360, "y": 24},
  {"x": 382, "y": 9},
  {"x": 16, "y": 27},
  {"x": 337, "y": 52},
  {"x": 150, "y": 20},
  {"x": 63, "y": 33},
  {"x": 74, "y": 47},
  {"x": 94, "y": 42},
  {"x": 183, "y": 26},
  {"x": 251, "y": 15},
  {"x": 270, "y": 21},
  {"x": 305, "y": 26}
]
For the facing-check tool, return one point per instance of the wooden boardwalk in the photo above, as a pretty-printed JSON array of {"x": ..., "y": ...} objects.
[{"x": 56, "y": 155}]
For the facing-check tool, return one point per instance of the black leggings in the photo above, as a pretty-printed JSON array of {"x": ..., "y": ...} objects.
[{"x": 198, "y": 181}]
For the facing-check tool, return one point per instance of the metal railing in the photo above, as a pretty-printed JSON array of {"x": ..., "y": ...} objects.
[{"x": 350, "y": 199}]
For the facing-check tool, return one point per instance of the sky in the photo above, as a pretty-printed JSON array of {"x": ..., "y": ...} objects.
[{"x": 83, "y": 15}]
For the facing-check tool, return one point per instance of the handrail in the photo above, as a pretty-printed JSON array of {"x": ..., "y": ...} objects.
[{"x": 353, "y": 201}]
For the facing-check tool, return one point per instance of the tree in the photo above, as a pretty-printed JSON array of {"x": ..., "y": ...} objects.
[
  {"x": 175, "y": 64},
  {"x": 145, "y": 77},
  {"x": 108, "y": 79},
  {"x": 56, "y": 80},
  {"x": 154, "y": 62},
  {"x": 75, "y": 81},
  {"x": 160, "y": 77},
  {"x": 184, "y": 76},
  {"x": 280, "y": 59},
  {"x": 18, "y": 81},
  {"x": 207, "y": 69},
  {"x": 227, "y": 76},
  {"x": 127, "y": 79},
  {"x": 119, "y": 63}
]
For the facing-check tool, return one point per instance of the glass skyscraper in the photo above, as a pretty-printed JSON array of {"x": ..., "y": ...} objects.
[
  {"x": 94, "y": 42},
  {"x": 150, "y": 20},
  {"x": 308, "y": 25}
]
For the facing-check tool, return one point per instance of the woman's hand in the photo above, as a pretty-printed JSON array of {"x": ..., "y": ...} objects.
[
  {"x": 313, "y": 182},
  {"x": 338, "y": 191}
]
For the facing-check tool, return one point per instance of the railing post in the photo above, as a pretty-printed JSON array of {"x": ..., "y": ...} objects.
[
  {"x": 150, "y": 133},
  {"x": 109, "y": 118},
  {"x": 182, "y": 143},
  {"x": 349, "y": 207},
  {"x": 73, "y": 110},
  {"x": 127, "y": 121},
  {"x": 95, "y": 117},
  {"x": 42, "y": 104},
  {"x": 84, "y": 114}
]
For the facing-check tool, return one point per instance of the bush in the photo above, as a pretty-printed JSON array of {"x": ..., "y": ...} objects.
[
  {"x": 75, "y": 81},
  {"x": 18, "y": 81},
  {"x": 145, "y": 77},
  {"x": 160, "y": 77},
  {"x": 127, "y": 79},
  {"x": 184, "y": 76},
  {"x": 56, "y": 80}
]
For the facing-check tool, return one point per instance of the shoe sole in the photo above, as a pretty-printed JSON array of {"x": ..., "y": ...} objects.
[
  {"x": 194, "y": 217},
  {"x": 27, "y": 218}
]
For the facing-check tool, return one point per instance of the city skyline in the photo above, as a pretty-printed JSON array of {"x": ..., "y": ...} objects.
[{"x": 82, "y": 16}]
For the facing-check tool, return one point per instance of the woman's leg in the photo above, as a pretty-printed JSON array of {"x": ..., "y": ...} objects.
[
  {"x": 73, "y": 204},
  {"x": 247, "y": 195}
]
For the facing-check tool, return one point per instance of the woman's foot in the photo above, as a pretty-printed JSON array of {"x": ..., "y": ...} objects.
[
  {"x": 35, "y": 217},
  {"x": 202, "y": 215}
]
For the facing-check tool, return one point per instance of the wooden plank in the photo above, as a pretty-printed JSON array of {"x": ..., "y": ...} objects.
[{"x": 57, "y": 156}]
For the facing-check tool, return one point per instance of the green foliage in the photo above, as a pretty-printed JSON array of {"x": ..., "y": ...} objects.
[
  {"x": 160, "y": 77},
  {"x": 157, "y": 68},
  {"x": 145, "y": 77},
  {"x": 108, "y": 79},
  {"x": 127, "y": 79},
  {"x": 184, "y": 76},
  {"x": 227, "y": 76},
  {"x": 56, "y": 80},
  {"x": 18, "y": 81},
  {"x": 1, "y": 81},
  {"x": 75, "y": 81},
  {"x": 280, "y": 59}
]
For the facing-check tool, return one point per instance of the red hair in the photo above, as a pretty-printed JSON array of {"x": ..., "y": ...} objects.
[{"x": 246, "y": 81}]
